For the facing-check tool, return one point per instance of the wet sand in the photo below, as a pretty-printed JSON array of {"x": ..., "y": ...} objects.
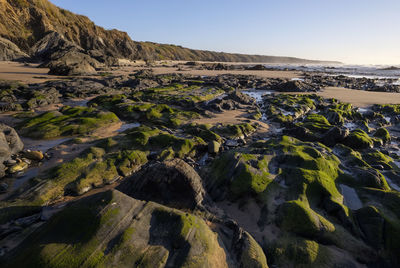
[{"x": 27, "y": 74}]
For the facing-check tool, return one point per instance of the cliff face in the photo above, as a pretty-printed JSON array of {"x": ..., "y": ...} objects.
[{"x": 25, "y": 22}]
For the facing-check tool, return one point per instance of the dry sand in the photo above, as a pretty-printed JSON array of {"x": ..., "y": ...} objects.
[{"x": 360, "y": 98}]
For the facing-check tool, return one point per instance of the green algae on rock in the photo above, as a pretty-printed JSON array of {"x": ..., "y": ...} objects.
[
  {"x": 67, "y": 122},
  {"x": 105, "y": 230},
  {"x": 358, "y": 139}
]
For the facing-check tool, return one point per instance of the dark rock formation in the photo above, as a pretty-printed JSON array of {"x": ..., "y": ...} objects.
[
  {"x": 173, "y": 183},
  {"x": 10, "y": 144},
  {"x": 10, "y": 51}
]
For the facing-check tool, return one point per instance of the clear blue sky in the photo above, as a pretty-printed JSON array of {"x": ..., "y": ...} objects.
[{"x": 352, "y": 31}]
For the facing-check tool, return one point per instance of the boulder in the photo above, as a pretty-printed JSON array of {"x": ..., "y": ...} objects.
[
  {"x": 10, "y": 51},
  {"x": 334, "y": 135},
  {"x": 74, "y": 63},
  {"x": 64, "y": 57},
  {"x": 21, "y": 166},
  {"x": 14, "y": 142},
  {"x": 173, "y": 182},
  {"x": 10, "y": 144},
  {"x": 34, "y": 155},
  {"x": 358, "y": 139},
  {"x": 383, "y": 134},
  {"x": 214, "y": 147}
]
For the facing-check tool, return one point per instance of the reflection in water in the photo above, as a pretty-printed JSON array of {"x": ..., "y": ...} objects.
[
  {"x": 42, "y": 145},
  {"x": 128, "y": 126},
  {"x": 351, "y": 199},
  {"x": 257, "y": 94},
  {"x": 31, "y": 173},
  {"x": 392, "y": 185}
]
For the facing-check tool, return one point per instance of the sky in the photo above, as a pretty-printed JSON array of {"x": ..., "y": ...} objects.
[{"x": 350, "y": 31}]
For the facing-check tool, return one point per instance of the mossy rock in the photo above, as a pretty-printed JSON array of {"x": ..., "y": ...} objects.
[
  {"x": 93, "y": 168},
  {"x": 299, "y": 218},
  {"x": 105, "y": 230},
  {"x": 376, "y": 158},
  {"x": 242, "y": 174},
  {"x": 372, "y": 225},
  {"x": 252, "y": 254},
  {"x": 234, "y": 131},
  {"x": 156, "y": 114},
  {"x": 358, "y": 139},
  {"x": 299, "y": 251},
  {"x": 203, "y": 132},
  {"x": 68, "y": 121},
  {"x": 383, "y": 134}
]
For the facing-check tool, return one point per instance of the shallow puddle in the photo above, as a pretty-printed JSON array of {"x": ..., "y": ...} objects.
[
  {"x": 128, "y": 126},
  {"x": 393, "y": 185},
  {"x": 42, "y": 145},
  {"x": 29, "y": 174},
  {"x": 257, "y": 94},
  {"x": 351, "y": 199}
]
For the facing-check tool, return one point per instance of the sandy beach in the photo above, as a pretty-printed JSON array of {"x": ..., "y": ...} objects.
[{"x": 360, "y": 98}]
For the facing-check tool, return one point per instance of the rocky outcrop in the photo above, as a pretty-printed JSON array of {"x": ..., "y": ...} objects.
[
  {"x": 111, "y": 229},
  {"x": 10, "y": 51},
  {"x": 173, "y": 183},
  {"x": 295, "y": 86},
  {"x": 10, "y": 144},
  {"x": 26, "y": 22}
]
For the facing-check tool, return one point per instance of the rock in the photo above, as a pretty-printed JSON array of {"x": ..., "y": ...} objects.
[
  {"x": 14, "y": 142},
  {"x": 231, "y": 143},
  {"x": 33, "y": 155},
  {"x": 370, "y": 178},
  {"x": 80, "y": 65},
  {"x": 258, "y": 67},
  {"x": 371, "y": 224},
  {"x": 10, "y": 51},
  {"x": 228, "y": 104},
  {"x": 301, "y": 133},
  {"x": 214, "y": 147},
  {"x": 2, "y": 170},
  {"x": 295, "y": 86},
  {"x": 21, "y": 166},
  {"x": 3, "y": 187},
  {"x": 383, "y": 134},
  {"x": 172, "y": 182},
  {"x": 5, "y": 152},
  {"x": 334, "y": 135},
  {"x": 358, "y": 139},
  {"x": 147, "y": 233},
  {"x": 24, "y": 222},
  {"x": 241, "y": 98},
  {"x": 10, "y": 144}
]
